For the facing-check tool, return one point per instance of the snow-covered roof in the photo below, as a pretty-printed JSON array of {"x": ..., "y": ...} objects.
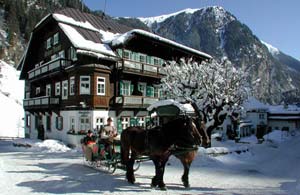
[
  {"x": 281, "y": 109},
  {"x": 253, "y": 104},
  {"x": 183, "y": 107},
  {"x": 80, "y": 42},
  {"x": 122, "y": 39}
]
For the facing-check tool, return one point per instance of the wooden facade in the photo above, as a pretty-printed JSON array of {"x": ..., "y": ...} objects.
[{"x": 79, "y": 86}]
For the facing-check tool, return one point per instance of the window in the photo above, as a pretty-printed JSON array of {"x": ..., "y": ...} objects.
[
  {"x": 150, "y": 91},
  {"x": 72, "y": 85},
  {"x": 142, "y": 88},
  {"x": 37, "y": 91},
  {"x": 57, "y": 88},
  {"x": 125, "y": 88},
  {"x": 48, "y": 90},
  {"x": 65, "y": 90},
  {"x": 85, "y": 123},
  {"x": 72, "y": 123},
  {"x": 85, "y": 87},
  {"x": 48, "y": 123},
  {"x": 100, "y": 86},
  {"x": 157, "y": 92},
  {"x": 99, "y": 123},
  {"x": 59, "y": 123},
  {"x": 156, "y": 61},
  {"x": 141, "y": 121},
  {"x": 261, "y": 116},
  {"x": 48, "y": 43},
  {"x": 142, "y": 58},
  {"x": 125, "y": 122},
  {"x": 120, "y": 52},
  {"x": 61, "y": 54},
  {"x": 127, "y": 54},
  {"x": 56, "y": 38},
  {"x": 72, "y": 54},
  {"x": 28, "y": 120}
]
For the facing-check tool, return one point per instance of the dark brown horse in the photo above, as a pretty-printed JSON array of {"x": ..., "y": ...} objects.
[
  {"x": 157, "y": 144},
  {"x": 187, "y": 154}
]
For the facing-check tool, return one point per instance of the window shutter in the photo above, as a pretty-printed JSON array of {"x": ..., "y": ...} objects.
[
  {"x": 131, "y": 88},
  {"x": 147, "y": 120},
  {"x": 137, "y": 121},
  {"x": 119, "y": 125},
  {"x": 132, "y": 122},
  {"x": 150, "y": 91},
  {"x": 121, "y": 87}
]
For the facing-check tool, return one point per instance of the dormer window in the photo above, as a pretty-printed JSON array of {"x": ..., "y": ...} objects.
[
  {"x": 48, "y": 43},
  {"x": 55, "y": 38}
]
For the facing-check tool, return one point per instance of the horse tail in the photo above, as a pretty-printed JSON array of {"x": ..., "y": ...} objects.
[{"x": 124, "y": 148}]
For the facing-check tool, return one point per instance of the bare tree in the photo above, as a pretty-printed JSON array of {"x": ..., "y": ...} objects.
[{"x": 218, "y": 89}]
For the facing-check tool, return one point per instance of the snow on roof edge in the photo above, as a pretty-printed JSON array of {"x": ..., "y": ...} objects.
[
  {"x": 125, "y": 37},
  {"x": 78, "y": 41},
  {"x": 183, "y": 107}
]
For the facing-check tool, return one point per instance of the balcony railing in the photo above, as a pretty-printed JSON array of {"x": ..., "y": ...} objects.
[
  {"x": 139, "y": 67},
  {"x": 135, "y": 101},
  {"x": 57, "y": 64},
  {"x": 44, "y": 101}
]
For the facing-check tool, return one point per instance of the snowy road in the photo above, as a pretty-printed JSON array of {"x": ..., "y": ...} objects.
[{"x": 266, "y": 169}]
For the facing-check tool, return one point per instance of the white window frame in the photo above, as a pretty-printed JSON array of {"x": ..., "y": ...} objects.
[
  {"x": 144, "y": 85},
  {"x": 49, "y": 43},
  {"x": 57, "y": 88},
  {"x": 99, "y": 122},
  {"x": 123, "y": 89},
  {"x": 100, "y": 86},
  {"x": 85, "y": 90},
  {"x": 142, "y": 121},
  {"x": 72, "y": 122},
  {"x": 85, "y": 123},
  {"x": 65, "y": 90},
  {"x": 56, "y": 38},
  {"x": 125, "y": 121},
  {"x": 72, "y": 85},
  {"x": 48, "y": 90},
  {"x": 72, "y": 54}
]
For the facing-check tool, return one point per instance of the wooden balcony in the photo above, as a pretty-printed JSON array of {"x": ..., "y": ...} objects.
[
  {"x": 41, "y": 102},
  {"x": 135, "y": 101},
  {"x": 54, "y": 65},
  {"x": 144, "y": 69}
]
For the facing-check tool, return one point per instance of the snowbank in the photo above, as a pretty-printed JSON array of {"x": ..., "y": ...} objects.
[
  {"x": 47, "y": 146},
  {"x": 11, "y": 96}
]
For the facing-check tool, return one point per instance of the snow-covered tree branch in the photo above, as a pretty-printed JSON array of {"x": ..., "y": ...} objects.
[{"x": 218, "y": 89}]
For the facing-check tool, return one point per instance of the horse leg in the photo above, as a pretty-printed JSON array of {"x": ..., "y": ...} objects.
[
  {"x": 130, "y": 173},
  {"x": 186, "y": 160},
  {"x": 158, "y": 180},
  {"x": 185, "y": 176}
]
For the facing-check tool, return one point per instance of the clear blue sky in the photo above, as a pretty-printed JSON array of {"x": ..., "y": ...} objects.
[{"x": 274, "y": 21}]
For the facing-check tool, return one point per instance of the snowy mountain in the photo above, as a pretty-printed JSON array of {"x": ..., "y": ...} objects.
[
  {"x": 220, "y": 34},
  {"x": 11, "y": 98}
]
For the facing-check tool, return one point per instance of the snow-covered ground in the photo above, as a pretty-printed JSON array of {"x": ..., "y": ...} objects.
[
  {"x": 11, "y": 97},
  {"x": 50, "y": 168}
]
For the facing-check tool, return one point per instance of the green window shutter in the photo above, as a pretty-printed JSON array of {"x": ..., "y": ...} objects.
[
  {"x": 132, "y": 122},
  {"x": 121, "y": 87},
  {"x": 148, "y": 59},
  {"x": 131, "y": 88},
  {"x": 152, "y": 60},
  {"x": 119, "y": 125},
  {"x": 120, "y": 52},
  {"x": 147, "y": 120},
  {"x": 137, "y": 121},
  {"x": 150, "y": 91}
]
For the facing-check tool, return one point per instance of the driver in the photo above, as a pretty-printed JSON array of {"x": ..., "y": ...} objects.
[{"x": 107, "y": 135}]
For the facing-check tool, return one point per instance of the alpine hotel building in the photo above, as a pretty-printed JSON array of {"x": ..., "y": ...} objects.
[{"x": 79, "y": 69}]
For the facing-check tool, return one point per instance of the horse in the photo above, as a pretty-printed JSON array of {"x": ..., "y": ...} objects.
[
  {"x": 157, "y": 144},
  {"x": 187, "y": 154}
]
